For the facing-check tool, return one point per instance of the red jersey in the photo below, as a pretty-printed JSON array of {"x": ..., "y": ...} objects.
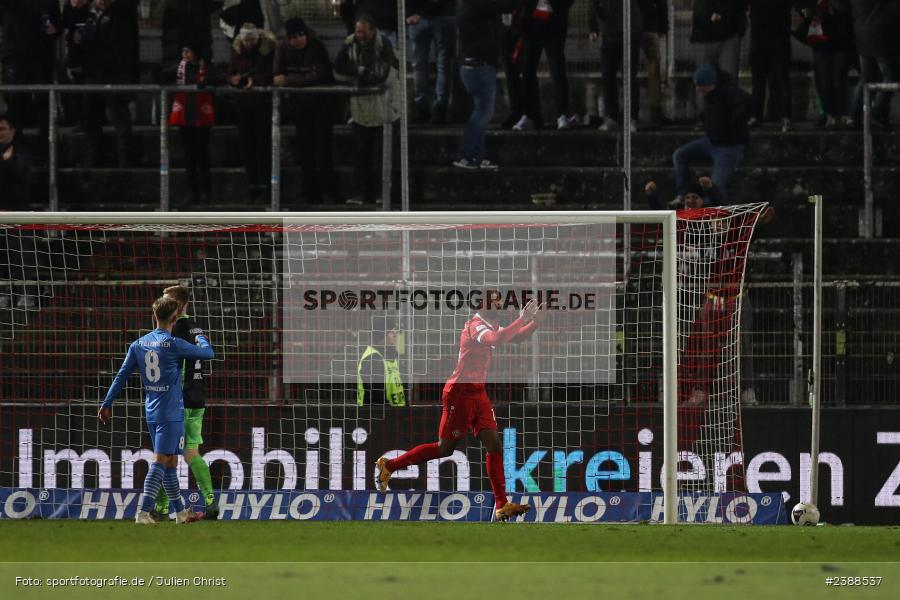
[{"x": 477, "y": 343}]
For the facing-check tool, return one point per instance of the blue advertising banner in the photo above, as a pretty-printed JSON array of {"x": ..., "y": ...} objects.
[{"x": 319, "y": 505}]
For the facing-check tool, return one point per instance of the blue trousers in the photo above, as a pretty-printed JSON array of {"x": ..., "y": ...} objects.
[{"x": 725, "y": 160}]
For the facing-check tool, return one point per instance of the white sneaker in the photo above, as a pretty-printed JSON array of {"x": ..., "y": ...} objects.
[
  {"x": 748, "y": 398},
  {"x": 633, "y": 126},
  {"x": 487, "y": 165},
  {"x": 566, "y": 122},
  {"x": 143, "y": 518},
  {"x": 609, "y": 125},
  {"x": 4, "y": 301},
  {"x": 27, "y": 302},
  {"x": 187, "y": 516},
  {"x": 524, "y": 124}
]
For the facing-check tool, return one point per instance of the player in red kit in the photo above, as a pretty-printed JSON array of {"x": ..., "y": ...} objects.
[{"x": 466, "y": 403}]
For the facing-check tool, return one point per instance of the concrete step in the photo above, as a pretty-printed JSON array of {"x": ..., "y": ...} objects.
[{"x": 805, "y": 146}]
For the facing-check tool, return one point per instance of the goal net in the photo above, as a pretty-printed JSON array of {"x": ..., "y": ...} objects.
[{"x": 311, "y": 316}]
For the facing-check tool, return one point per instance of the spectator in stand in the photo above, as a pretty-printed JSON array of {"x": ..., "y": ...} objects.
[
  {"x": 546, "y": 30},
  {"x": 726, "y": 114},
  {"x": 252, "y": 62},
  {"x": 655, "y": 16},
  {"x": 15, "y": 168},
  {"x": 381, "y": 13},
  {"x": 264, "y": 14},
  {"x": 697, "y": 194},
  {"x": 480, "y": 28},
  {"x": 830, "y": 34},
  {"x": 718, "y": 26},
  {"x": 876, "y": 29},
  {"x": 431, "y": 21},
  {"x": 302, "y": 61},
  {"x": 186, "y": 21},
  {"x": 612, "y": 52},
  {"x": 110, "y": 40},
  {"x": 367, "y": 59},
  {"x": 770, "y": 60},
  {"x": 194, "y": 115},
  {"x": 511, "y": 44},
  {"x": 75, "y": 16}
]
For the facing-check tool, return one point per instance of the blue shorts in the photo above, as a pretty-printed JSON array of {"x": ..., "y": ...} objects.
[{"x": 168, "y": 438}]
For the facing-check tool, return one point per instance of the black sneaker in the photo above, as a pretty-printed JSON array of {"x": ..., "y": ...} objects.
[
  {"x": 158, "y": 516},
  {"x": 212, "y": 512}
]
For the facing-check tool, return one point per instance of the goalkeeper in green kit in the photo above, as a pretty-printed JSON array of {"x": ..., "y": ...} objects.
[{"x": 194, "y": 407}]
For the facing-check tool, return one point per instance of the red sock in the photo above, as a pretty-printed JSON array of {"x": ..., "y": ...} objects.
[
  {"x": 498, "y": 478},
  {"x": 416, "y": 456}
]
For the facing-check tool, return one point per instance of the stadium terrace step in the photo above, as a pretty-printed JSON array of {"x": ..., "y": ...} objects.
[{"x": 805, "y": 146}]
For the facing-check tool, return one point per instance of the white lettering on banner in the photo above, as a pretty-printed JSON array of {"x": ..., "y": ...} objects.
[
  {"x": 311, "y": 478},
  {"x": 426, "y": 514},
  {"x": 335, "y": 458},
  {"x": 129, "y": 459},
  {"x": 94, "y": 501},
  {"x": 121, "y": 501},
  {"x": 582, "y": 516},
  {"x": 52, "y": 458},
  {"x": 754, "y": 475},
  {"x": 697, "y": 471},
  {"x": 712, "y": 513},
  {"x": 731, "y": 510},
  {"x": 9, "y": 507},
  {"x": 836, "y": 468},
  {"x": 314, "y": 506},
  {"x": 406, "y": 504},
  {"x": 692, "y": 507},
  {"x": 542, "y": 506},
  {"x": 561, "y": 516},
  {"x": 26, "y": 454},
  {"x": 231, "y": 503},
  {"x": 432, "y": 483},
  {"x": 260, "y": 458},
  {"x": 373, "y": 506},
  {"x": 256, "y": 504},
  {"x": 887, "y": 495},
  {"x": 447, "y": 505},
  {"x": 645, "y": 461},
  {"x": 235, "y": 467},
  {"x": 656, "y": 512},
  {"x": 359, "y": 437},
  {"x": 275, "y": 514},
  {"x": 721, "y": 465}
]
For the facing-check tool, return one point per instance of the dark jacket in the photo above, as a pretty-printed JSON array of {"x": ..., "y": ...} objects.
[
  {"x": 15, "y": 177},
  {"x": 610, "y": 13},
  {"x": 733, "y": 22},
  {"x": 726, "y": 111},
  {"x": 430, "y": 8},
  {"x": 770, "y": 21},
  {"x": 75, "y": 19},
  {"x": 559, "y": 18},
  {"x": 186, "y": 22},
  {"x": 480, "y": 27},
  {"x": 112, "y": 44},
  {"x": 310, "y": 66},
  {"x": 256, "y": 64},
  {"x": 876, "y": 27},
  {"x": 656, "y": 16}
]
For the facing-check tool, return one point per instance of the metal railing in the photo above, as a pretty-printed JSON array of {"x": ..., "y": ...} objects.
[
  {"x": 164, "y": 156},
  {"x": 869, "y": 153}
]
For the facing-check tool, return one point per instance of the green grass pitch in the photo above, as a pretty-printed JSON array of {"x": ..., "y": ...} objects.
[{"x": 370, "y": 560}]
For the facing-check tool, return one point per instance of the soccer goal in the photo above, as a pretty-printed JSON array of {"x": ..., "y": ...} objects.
[{"x": 334, "y": 335}]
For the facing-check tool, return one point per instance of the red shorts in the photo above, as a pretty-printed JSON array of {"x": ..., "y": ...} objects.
[{"x": 465, "y": 409}]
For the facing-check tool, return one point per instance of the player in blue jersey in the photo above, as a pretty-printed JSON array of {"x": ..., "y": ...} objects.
[{"x": 158, "y": 355}]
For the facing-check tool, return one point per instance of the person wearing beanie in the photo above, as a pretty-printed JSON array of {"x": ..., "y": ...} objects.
[
  {"x": 301, "y": 60},
  {"x": 726, "y": 113}
]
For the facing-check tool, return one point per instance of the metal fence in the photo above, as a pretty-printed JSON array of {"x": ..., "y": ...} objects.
[{"x": 869, "y": 153}]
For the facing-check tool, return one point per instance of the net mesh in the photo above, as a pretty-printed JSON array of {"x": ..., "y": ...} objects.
[{"x": 579, "y": 404}]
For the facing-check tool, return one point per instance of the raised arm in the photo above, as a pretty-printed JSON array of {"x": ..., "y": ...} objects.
[
  {"x": 523, "y": 326},
  {"x": 202, "y": 351}
]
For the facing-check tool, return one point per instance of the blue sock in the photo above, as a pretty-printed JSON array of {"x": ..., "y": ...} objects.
[
  {"x": 152, "y": 483},
  {"x": 173, "y": 491}
]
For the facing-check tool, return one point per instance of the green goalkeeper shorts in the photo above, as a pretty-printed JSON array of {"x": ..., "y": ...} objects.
[{"x": 193, "y": 426}]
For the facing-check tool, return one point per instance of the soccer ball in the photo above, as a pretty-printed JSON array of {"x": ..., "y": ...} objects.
[{"x": 805, "y": 513}]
